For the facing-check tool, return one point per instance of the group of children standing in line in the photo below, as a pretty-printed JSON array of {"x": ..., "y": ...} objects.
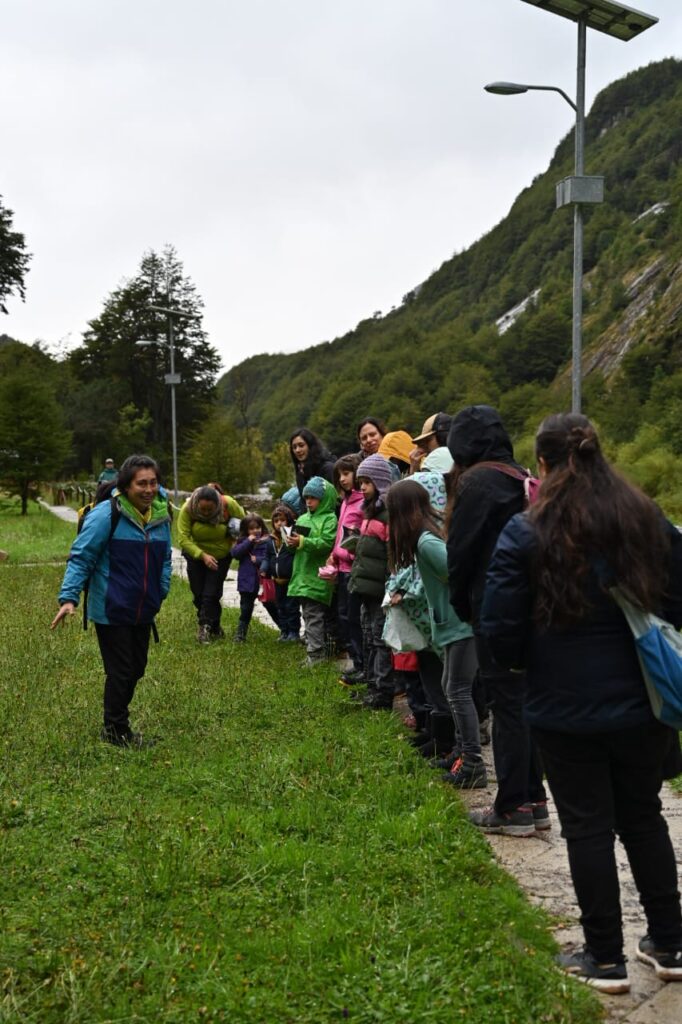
[{"x": 364, "y": 545}]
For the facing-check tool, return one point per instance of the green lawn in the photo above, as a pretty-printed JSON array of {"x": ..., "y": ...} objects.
[
  {"x": 280, "y": 856},
  {"x": 37, "y": 537}
]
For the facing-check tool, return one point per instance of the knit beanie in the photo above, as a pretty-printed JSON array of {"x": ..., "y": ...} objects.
[
  {"x": 377, "y": 469},
  {"x": 397, "y": 444},
  {"x": 315, "y": 488},
  {"x": 292, "y": 498}
]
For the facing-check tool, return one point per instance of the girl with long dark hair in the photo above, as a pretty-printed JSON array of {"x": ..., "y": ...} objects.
[
  {"x": 415, "y": 536},
  {"x": 547, "y": 609}
]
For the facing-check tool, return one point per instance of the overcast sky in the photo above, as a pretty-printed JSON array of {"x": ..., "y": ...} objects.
[{"x": 310, "y": 160}]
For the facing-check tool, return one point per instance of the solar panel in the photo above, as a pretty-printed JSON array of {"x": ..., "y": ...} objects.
[{"x": 614, "y": 19}]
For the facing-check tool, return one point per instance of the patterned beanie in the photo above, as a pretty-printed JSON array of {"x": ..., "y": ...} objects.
[
  {"x": 377, "y": 469},
  {"x": 315, "y": 488}
]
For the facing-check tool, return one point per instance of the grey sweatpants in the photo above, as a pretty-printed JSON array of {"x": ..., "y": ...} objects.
[{"x": 314, "y": 615}]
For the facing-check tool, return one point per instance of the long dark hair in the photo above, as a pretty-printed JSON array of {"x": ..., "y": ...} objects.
[
  {"x": 316, "y": 457},
  {"x": 587, "y": 510},
  {"x": 410, "y": 513}
]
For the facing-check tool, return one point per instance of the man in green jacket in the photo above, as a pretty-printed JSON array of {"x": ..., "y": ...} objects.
[{"x": 313, "y": 539}]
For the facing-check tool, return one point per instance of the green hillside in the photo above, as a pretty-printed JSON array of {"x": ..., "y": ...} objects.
[{"x": 441, "y": 348}]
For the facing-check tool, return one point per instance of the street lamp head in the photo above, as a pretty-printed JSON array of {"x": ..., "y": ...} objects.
[{"x": 505, "y": 88}]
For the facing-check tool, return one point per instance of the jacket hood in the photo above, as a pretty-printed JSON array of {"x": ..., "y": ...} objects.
[
  {"x": 477, "y": 435},
  {"x": 327, "y": 501},
  {"x": 437, "y": 461}
]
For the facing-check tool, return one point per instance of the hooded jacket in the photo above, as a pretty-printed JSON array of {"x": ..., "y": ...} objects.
[
  {"x": 485, "y": 499},
  {"x": 350, "y": 518},
  {"x": 317, "y": 532},
  {"x": 128, "y": 572}
]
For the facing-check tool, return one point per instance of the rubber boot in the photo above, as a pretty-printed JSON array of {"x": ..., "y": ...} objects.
[{"x": 443, "y": 731}]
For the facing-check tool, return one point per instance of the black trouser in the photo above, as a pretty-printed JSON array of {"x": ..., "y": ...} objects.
[
  {"x": 124, "y": 654},
  {"x": 247, "y": 603},
  {"x": 517, "y": 766},
  {"x": 607, "y": 784},
  {"x": 377, "y": 657},
  {"x": 207, "y": 589},
  {"x": 350, "y": 625},
  {"x": 288, "y": 610},
  {"x": 431, "y": 675}
]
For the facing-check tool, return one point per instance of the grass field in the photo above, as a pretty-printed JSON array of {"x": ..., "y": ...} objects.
[
  {"x": 36, "y": 537},
  {"x": 279, "y": 856}
]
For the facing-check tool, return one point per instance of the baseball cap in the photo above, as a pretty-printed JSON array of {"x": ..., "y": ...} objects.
[{"x": 439, "y": 421}]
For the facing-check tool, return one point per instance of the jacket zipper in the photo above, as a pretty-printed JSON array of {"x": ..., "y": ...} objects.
[{"x": 144, "y": 577}]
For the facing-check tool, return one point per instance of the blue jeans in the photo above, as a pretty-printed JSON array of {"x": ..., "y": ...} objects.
[{"x": 288, "y": 610}]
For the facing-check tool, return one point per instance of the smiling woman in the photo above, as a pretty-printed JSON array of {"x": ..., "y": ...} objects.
[
  {"x": 310, "y": 457},
  {"x": 122, "y": 556}
]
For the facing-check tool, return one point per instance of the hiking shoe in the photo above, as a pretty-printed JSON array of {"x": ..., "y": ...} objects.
[
  {"x": 217, "y": 633},
  {"x": 239, "y": 637},
  {"x": 467, "y": 775},
  {"x": 353, "y": 677},
  {"x": 517, "y": 823},
  {"x": 375, "y": 702},
  {"x": 204, "y": 634},
  {"x": 446, "y": 762},
  {"x": 131, "y": 740},
  {"x": 609, "y": 978},
  {"x": 541, "y": 816},
  {"x": 666, "y": 963}
]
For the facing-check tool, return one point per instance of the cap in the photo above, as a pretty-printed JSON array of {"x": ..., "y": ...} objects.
[
  {"x": 429, "y": 428},
  {"x": 108, "y": 460}
]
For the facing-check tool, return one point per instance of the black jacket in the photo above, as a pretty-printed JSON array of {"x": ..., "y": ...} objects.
[
  {"x": 583, "y": 678},
  {"x": 486, "y": 499}
]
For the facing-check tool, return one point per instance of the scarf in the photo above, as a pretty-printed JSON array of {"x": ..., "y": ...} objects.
[{"x": 215, "y": 518}]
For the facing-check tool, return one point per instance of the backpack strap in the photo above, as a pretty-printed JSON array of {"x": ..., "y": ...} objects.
[{"x": 115, "y": 517}]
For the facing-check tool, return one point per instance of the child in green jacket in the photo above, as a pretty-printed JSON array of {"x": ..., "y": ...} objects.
[{"x": 313, "y": 538}]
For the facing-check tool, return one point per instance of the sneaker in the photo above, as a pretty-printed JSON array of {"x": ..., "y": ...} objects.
[
  {"x": 666, "y": 963},
  {"x": 292, "y": 638},
  {"x": 310, "y": 662},
  {"x": 217, "y": 633},
  {"x": 517, "y": 823},
  {"x": 541, "y": 816},
  {"x": 609, "y": 978},
  {"x": 467, "y": 775},
  {"x": 204, "y": 634}
]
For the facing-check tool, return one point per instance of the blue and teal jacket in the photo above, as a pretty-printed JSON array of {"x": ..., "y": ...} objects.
[{"x": 128, "y": 572}]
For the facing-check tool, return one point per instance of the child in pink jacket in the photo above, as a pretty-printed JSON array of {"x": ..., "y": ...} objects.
[{"x": 348, "y": 607}]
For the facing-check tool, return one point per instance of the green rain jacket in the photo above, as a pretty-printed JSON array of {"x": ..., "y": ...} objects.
[
  {"x": 432, "y": 562},
  {"x": 315, "y": 549}
]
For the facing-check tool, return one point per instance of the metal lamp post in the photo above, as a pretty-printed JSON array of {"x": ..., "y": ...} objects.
[
  {"x": 172, "y": 379},
  {"x": 621, "y": 22}
]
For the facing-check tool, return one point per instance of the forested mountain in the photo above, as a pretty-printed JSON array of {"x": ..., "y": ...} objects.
[{"x": 443, "y": 348}]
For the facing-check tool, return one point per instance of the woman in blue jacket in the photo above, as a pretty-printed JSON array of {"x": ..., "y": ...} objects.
[
  {"x": 547, "y": 609},
  {"x": 123, "y": 556}
]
